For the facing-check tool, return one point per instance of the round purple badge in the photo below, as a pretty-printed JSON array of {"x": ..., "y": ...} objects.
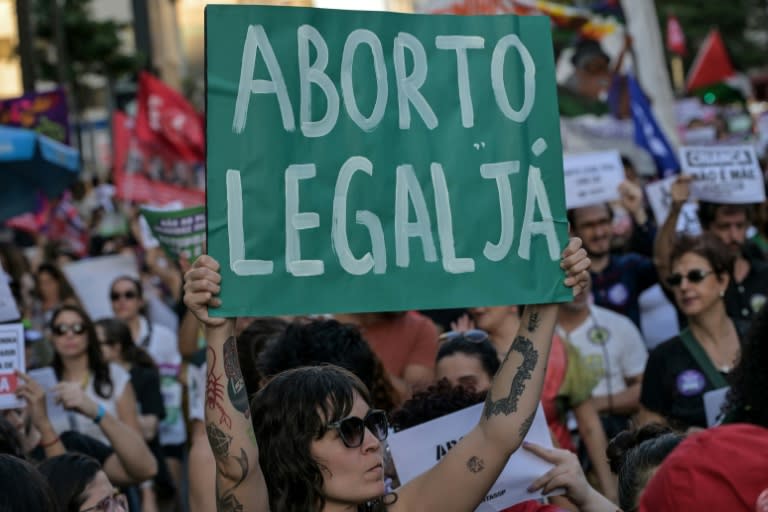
[
  {"x": 618, "y": 294},
  {"x": 691, "y": 382}
]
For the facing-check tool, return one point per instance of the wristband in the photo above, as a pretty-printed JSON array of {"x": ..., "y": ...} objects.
[{"x": 100, "y": 412}]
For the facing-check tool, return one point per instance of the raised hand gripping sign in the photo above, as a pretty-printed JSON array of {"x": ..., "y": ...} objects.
[{"x": 362, "y": 161}]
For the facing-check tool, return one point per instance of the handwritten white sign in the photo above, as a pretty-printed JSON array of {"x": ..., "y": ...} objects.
[
  {"x": 11, "y": 359},
  {"x": 724, "y": 174},
  {"x": 592, "y": 178},
  {"x": 417, "y": 449},
  {"x": 660, "y": 198}
]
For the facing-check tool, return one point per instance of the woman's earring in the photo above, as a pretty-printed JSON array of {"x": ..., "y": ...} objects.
[{"x": 722, "y": 294}]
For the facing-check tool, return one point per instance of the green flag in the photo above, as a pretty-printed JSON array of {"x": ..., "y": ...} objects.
[
  {"x": 178, "y": 231},
  {"x": 366, "y": 161}
]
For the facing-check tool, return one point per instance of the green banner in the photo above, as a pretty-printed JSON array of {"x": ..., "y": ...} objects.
[
  {"x": 367, "y": 161},
  {"x": 178, "y": 231}
]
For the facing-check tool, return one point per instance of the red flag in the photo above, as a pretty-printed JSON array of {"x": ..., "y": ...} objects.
[
  {"x": 675, "y": 37},
  {"x": 712, "y": 64},
  {"x": 164, "y": 114},
  {"x": 147, "y": 172}
]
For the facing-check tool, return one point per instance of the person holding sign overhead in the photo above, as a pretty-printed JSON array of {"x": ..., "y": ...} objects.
[
  {"x": 617, "y": 279},
  {"x": 309, "y": 440},
  {"x": 748, "y": 289}
]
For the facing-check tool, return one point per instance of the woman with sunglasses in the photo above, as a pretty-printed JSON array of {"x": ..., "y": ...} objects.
[
  {"x": 128, "y": 303},
  {"x": 681, "y": 370},
  {"x": 316, "y": 444},
  {"x": 96, "y": 395},
  {"x": 79, "y": 484}
]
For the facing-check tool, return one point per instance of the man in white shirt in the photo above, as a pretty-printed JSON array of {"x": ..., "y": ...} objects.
[{"x": 614, "y": 348}]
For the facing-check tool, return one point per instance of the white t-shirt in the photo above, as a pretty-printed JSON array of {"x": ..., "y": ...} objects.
[
  {"x": 163, "y": 345},
  {"x": 608, "y": 335},
  {"x": 71, "y": 420}
]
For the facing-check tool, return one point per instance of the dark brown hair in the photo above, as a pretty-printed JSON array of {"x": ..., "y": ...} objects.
[
  {"x": 102, "y": 382},
  {"x": 290, "y": 412},
  {"x": 709, "y": 247}
]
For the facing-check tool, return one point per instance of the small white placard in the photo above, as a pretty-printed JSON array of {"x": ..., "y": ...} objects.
[
  {"x": 11, "y": 359},
  {"x": 418, "y": 449},
  {"x": 660, "y": 198},
  {"x": 713, "y": 404},
  {"x": 724, "y": 174},
  {"x": 592, "y": 178},
  {"x": 46, "y": 377},
  {"x": 92, "y": 278}
]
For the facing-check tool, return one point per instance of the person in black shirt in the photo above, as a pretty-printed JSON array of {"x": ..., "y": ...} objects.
[{"x": 681, "y": 370}]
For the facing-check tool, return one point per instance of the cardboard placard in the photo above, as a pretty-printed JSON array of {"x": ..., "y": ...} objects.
[
  {"x": 724, "y": 174},
  {"x": 592, "y": 178},
  {"x": 417, "y": 156}
]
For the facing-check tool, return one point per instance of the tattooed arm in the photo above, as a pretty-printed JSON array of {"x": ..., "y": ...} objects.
[
  {"x": 240, "y": 485},
  {"x": 463, "y": 477}
]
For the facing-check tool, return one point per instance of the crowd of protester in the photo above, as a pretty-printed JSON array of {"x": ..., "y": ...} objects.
[{"x": 160, "y": 407}]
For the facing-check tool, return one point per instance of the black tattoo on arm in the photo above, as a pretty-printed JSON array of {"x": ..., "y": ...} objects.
[
  {"x": 227, "y": 501},
  {"x": 533, "y": 322},
  {"x": 219, "y": 440},
  {"x": 508, "y": 404},
  {"x": 236, "y": 390},
  {"x": 526, "y": 426},
  {"x": 475, "y": 464}
]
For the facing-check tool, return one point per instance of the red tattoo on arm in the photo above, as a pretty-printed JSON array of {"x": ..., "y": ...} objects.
[{"x": 214, "y": 392}]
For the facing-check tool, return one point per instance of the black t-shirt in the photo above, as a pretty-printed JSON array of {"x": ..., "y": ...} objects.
[
  {"x": 744, "y": 300},
  {"x": 674, "y": 385},
  {"x": 146, "y": 384},
  {"x": 74, "y": 441}
]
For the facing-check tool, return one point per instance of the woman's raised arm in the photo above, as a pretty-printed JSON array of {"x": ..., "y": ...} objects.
[
  {"x": 463, "y": 477},
  {"x": 240, "y": 482}
]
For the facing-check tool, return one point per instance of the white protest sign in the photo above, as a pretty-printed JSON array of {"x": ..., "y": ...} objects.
[
  {"x": 8, "y": 309},
  {"x": 46, "y": 377},
  {"x": 724, "y": 174},
  {"x": 713, "y": 405},
  {"x": 660, "y": 198},
  {"x": 592, "y": 178},
  {"x": 700, "y": 135},
  {"x": 11, "y": 359},
  {"x": 92, "y": 278},
  {"x": 418, "y": 449}
]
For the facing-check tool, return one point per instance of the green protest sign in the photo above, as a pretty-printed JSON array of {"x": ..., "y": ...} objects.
[
  {"x": 362, "y": 161},
  {"x": 178, "y": 231}
]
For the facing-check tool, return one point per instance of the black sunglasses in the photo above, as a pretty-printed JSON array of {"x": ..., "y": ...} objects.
[
  {"x": 694, "y": 276},
  {"x": 62, "y": 329},
  {"x": 130, "y": 295},
  {"x": 352, "y": 428},
  {"x": 472, "y": 335}
]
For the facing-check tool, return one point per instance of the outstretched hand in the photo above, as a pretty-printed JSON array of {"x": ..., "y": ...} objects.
[
  {"x": 567, "y": 475},
  {"x": 576, "y": 265},
  {"x": 201, "y": 285}
]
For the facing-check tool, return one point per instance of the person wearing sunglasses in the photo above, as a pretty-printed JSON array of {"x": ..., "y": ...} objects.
[
  {"x": 126, "y": 295},
  {"x": 80, "y": 484},
  {"x": 681, "y": 370},
  {"x": 89, "y": 389},
  {"x": 302, "y": 456}
]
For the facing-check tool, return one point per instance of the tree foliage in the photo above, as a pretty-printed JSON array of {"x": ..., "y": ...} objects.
[{"x": 91, "y": 46}]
